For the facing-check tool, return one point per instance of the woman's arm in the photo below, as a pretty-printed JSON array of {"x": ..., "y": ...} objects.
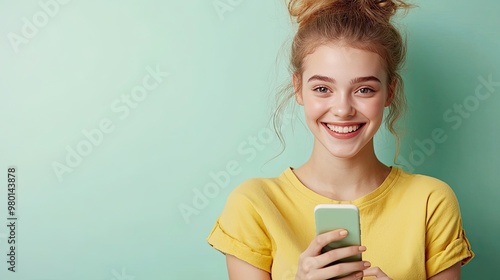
[
  {"x": 241, "y": 270},
  {"x": 451, "y": 273}
]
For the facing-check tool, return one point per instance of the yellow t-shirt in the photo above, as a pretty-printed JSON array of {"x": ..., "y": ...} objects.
[{"x": 411, "y": 225}]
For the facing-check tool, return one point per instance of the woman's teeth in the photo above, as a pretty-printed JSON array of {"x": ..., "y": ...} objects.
[{"x": 343, "y": 129}]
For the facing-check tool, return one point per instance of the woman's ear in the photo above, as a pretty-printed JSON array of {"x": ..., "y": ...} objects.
[
  {"x": 391, "y": 92},
  {"x": 297, "y": 87}
]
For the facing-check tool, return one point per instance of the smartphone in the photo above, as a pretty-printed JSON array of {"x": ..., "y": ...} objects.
[{"x": 330, "y": 217}]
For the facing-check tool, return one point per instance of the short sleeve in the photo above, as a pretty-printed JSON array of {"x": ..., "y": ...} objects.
[
  {"x": 446, "y": 243},
  {"x": 241, "y": 232}
]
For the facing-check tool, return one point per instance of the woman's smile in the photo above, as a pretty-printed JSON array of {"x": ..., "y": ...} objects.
[{"x": 343, "y": 131}]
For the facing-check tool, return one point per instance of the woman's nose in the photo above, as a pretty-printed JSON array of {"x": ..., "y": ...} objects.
[{"x": 342, "y": 106}]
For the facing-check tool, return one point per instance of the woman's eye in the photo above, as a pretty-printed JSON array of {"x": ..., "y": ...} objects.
[
  {"x": 365, "y": 90},
  {"x": 321, "y": 89}
]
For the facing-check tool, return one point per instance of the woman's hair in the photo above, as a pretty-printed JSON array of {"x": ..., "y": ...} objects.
[{"x": 362, "y": 24}]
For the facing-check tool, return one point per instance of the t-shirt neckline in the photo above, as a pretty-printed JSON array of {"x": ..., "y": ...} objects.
[{"x": 369, "y": 198}]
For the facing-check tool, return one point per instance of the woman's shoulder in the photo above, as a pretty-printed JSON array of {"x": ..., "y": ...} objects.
[
  {"x": 421, "y": 178},
  {"x": 422, "y": 183},
  {"x": 258, "y": 186}
]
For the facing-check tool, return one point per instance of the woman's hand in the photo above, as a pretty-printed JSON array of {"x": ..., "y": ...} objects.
[
  {"x": 312, "y": 263},
  {"x": 377, "y": 272}
]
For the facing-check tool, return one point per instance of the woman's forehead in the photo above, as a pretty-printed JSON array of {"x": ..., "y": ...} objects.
[{"x": 341, "y": 61}]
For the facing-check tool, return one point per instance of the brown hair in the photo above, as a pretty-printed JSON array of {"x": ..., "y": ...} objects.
[{"x": 362, "y": 24}]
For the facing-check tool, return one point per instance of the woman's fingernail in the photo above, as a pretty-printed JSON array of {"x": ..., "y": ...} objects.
[
  {"x": 359, "y": 275},
  {"x": 367, "y": 264},
  {"x": 362, "y": 248},
  {"x": 343, "y": 233}
]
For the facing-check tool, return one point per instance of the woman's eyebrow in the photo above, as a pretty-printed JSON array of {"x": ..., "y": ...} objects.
[
  {"x": 353, "y": 81},
  {"x": 364, "y": 79},
  {"x": 322, "y": 78}
]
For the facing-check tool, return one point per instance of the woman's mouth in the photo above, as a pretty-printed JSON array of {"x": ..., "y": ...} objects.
[{"x": 344, "y": 129}]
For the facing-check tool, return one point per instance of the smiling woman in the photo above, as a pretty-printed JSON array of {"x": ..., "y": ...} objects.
[
  {"x": 345, "y": 61},
  {"x": 344, "y": 92}
]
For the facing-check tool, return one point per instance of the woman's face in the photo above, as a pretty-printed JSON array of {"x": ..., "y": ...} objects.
[{"x": 344, "y": 92}]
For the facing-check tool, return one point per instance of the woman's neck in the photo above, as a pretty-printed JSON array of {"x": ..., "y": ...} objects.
[{"x": 343, "y": 179}]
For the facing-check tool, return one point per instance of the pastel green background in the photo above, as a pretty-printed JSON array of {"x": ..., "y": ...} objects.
[{"x": 116, "y": 214}]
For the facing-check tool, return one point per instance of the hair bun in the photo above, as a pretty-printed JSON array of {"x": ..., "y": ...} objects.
[{"x": 377, "y": 10}]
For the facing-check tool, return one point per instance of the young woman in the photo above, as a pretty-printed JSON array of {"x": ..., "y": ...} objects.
[{"x": 345, "y": 59}]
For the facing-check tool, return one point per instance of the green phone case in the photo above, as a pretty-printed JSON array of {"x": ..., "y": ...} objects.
[{"x": 329, "y": 217}]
